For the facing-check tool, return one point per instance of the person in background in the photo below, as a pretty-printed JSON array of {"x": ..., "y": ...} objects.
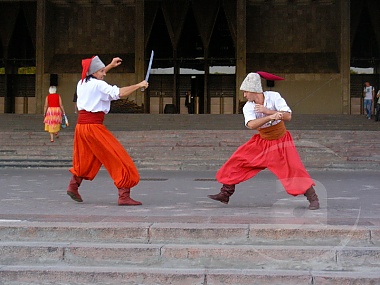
[
  {"x": 94, "y": 144},
  {"x": 189, "y": 102},
  {"x": 273, "y": 147},
  {"x": 377, "y": 106},
  {"x": 75, "y": 98},
  {"x": 369, "y": 94},
  {"x": 53, "y": 112}
]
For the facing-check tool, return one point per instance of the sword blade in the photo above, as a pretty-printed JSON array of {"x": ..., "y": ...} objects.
[{"x": 149, "y": 66}]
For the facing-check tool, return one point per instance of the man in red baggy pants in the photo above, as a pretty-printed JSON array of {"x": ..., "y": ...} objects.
[{"x": 271, "y": 148}]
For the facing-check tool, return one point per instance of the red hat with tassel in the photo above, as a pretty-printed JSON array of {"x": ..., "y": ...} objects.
[{"x": 91, "y": 65}]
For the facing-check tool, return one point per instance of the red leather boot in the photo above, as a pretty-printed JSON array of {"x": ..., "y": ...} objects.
[
  {"x": 125, "y": 199},
  {"x": 72, "y": 189},
  {"x": 225, "y": 192},
  {"x": 312, "y": 198}
]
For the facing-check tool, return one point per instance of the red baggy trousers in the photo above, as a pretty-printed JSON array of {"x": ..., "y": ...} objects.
[
  {"x": 94, "y": 146},
  {"x": 279, "y": 156}
]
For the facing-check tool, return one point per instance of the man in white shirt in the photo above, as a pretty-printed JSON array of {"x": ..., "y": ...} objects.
[
  {"x": 369, "y": 94},
  {"x": 271, "y": 148}
]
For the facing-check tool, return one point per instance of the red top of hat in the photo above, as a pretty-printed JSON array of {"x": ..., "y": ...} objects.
[
  {"x": 85, "y": 66},
  {"x": 269, "y": 76}
]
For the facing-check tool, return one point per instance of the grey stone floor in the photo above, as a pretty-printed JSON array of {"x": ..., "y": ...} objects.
[{"x": 347, "y": 198}]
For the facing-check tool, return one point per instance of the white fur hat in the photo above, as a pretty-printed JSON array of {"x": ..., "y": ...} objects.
[
  {"x": 52, "y": 89},
  {"x": 96, "y": 64},
  {"x": 252, "y": 83}
]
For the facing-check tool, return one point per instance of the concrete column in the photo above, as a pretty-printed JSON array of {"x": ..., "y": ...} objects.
[
  {"x": 345, "y": 55},
  {"x": 206, "y": 93},
  {"x": 140, "y": 50},
  {"x": 176, "y": 92},
  {"x": 241, "y": 47},
  {"x": 40, "y": 51}
]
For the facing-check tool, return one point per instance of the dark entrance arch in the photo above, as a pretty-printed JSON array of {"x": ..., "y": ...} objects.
[
  {"x": 190, "y": 42},
  {"x": 365, "y": 49},
  {"x": 18, "y": 56}
]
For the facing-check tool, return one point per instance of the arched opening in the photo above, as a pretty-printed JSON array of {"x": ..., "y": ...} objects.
[
  {"x": 365, "y": 49},
  {"x": 190, "y": 58},
  {"x": 20, "y": 67},
  {"x": 191, "y": 64},
  {"x": 160, "y": 91},
  {"x": 222, "y": 62},
  {"x": 365, "y": 53}
]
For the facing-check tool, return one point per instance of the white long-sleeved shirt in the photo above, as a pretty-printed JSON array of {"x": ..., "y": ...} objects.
[
  {"x": 272, "y": 101},
  {"x": 96, "y": 95}
]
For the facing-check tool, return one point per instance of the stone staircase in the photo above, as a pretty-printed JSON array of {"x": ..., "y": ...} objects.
[
  {"x": 204, "y": 142},
  {"x": 162, "y": 249},
  {"x": 187, "y": 254}
]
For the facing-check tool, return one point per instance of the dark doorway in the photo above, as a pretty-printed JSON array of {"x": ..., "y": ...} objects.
[
  {"x": 9, "y": 100},
  {"x": 191, "y": 42},
  {"x": 160, "y": 85},
  {"x": 197, "y": 90},
  {"x": 19, "y": 64},
  {"x": 365, "y": 52},
  {"x": 365, "y": 48}
]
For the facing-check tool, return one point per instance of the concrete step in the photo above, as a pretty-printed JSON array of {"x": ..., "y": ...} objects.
[
  {"x": 280, "y": 257},
  {"x": 187, "y": 253},
  {"x": 201, "y": 142},
  {"x": 191, "y": 233},
  {"x": 196, "y": 149},
  {"x": 75, "y": 275}
]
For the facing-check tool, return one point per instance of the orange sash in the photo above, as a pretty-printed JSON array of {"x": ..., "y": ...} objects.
[{"x": 273, "y": 132}]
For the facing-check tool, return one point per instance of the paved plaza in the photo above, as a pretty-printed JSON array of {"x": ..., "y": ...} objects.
[{"x": 347, "y": 198}]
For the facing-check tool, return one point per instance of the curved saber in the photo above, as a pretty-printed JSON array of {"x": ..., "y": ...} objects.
[{"x": 149, "y": 68}]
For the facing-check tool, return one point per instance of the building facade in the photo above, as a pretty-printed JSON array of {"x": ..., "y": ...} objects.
[{"x": 202, "y": 47}]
